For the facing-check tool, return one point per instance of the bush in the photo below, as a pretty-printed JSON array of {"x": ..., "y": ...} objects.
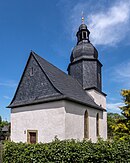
[{"x": 68, "y": 151}]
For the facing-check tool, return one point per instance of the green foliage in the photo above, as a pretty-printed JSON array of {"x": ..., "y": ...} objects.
[
  {"x": 68, "y": 151},
  {"x": 122, "y": 127},
  {"x": 2, "y": 124},
  {"x": 112, "y": 118}
]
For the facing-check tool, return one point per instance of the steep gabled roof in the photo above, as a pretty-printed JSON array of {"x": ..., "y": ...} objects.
[{"x": 62, "y": 85}]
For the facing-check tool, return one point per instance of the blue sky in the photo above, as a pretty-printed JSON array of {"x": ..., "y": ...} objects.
[{"x": 49, "y": 28}]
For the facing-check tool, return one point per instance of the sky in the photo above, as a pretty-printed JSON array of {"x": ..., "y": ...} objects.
[{"x": 49, "y": 28}]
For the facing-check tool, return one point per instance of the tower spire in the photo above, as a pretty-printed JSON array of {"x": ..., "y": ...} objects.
[
  {"x": 83, "y": 32},
  {"x": 82, "y": 17}
]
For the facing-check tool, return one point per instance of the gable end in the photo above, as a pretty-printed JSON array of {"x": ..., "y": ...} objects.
[{"x": 34, "y": 84}]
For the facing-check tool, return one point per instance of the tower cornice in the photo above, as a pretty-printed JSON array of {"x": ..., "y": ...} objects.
[{"x": 84, "y": 59}]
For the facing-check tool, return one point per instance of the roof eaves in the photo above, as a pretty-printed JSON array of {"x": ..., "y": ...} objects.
[
  {"x": 62, "y": 97},
  {"x": 39, "y": 101}
]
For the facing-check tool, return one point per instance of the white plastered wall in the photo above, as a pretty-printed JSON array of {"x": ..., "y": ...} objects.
[
  {"x": 63, "y": 119},
  {"x": 98, "y": 97},
  {"x": 48, "y": 119},
  {"x": 104, "y": 125},
  {"x": 74, "y": 122}
]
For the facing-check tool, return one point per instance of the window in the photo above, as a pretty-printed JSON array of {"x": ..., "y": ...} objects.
[
  {"x": 86, "y": 133},
  {"x": 31, "y": 71},
  {"x": 97, "y": 124},
  {"x": 32, "y": 136},
  {"x": 84, "y": 35}
]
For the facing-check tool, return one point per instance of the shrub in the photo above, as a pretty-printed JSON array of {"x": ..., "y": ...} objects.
[{"x": 68, "y": 151}]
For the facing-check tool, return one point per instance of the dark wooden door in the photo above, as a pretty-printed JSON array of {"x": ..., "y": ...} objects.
[{"x": 32, "y": 137}]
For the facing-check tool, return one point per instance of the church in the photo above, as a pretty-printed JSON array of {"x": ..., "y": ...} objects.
[{"x": 49, "y": 103}]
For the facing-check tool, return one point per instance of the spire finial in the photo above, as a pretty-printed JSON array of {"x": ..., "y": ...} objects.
[{"x": 82, "y": 17}]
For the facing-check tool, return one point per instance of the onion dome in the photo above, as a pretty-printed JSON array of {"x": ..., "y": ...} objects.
[{"x": 84, "y": 49}]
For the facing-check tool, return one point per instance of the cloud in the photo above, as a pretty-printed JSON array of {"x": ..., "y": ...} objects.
[
  {"x": 9, "y": 83},
  {"x": 123, "y": 70},
  {"x": 7, "y": 97},
  {"x": 114, "y": 107},
  {"x": 106, "y": 22},
  {"x": 121, "y": 74},
  {"x": 107, "y": 27}
]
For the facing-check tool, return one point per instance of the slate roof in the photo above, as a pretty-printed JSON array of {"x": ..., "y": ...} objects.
[
  {"x": 83, "y": 50},
  {"x": 67, "y": 87}
]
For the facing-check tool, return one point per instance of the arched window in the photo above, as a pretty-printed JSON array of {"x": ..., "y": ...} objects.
[
  {"x": 97, "y": 124},
  {"x": 86, "y": 132}
]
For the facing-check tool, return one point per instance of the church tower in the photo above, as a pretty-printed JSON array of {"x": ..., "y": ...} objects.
[{"x": 85, "y": 66}]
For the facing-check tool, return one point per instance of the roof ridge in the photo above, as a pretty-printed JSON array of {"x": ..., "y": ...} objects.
[
  {"x": 65, "y": 85},
  {"x": 35, "y": 56},
  {"x": 62, "y": 91}
]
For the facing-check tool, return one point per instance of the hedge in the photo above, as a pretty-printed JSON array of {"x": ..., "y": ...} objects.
[{"x": 68, "y": 151}]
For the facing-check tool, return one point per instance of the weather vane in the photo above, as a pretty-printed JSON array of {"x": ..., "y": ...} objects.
[{"x": 82, "y": 17}]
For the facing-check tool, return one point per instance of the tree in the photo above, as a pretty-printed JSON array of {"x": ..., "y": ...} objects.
[
  {"x": 4, "y": 125},
  {"x": 122, "y": 127},
  {"x": 112, "y": 118}
]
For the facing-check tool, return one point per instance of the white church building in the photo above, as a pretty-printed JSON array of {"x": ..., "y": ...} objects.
[{"x": 49, "y": 103}]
